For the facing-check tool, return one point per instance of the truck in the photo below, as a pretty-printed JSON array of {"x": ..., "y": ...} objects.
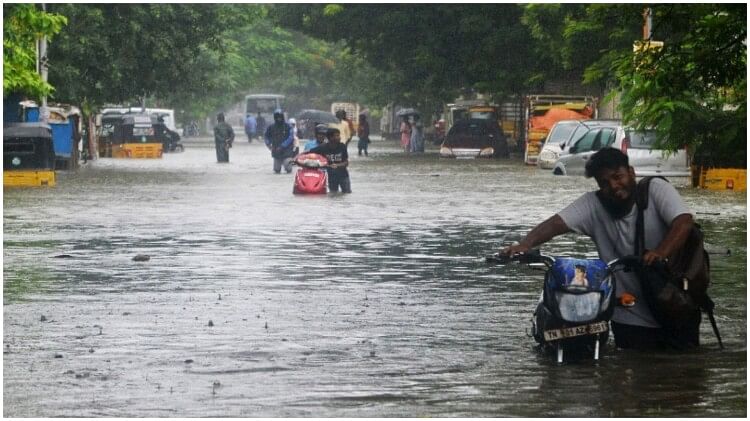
[
  {"x": 511, "y": 121},
  {"x": 265, "y": 104},
  {"x": 541, "y": 112},
  {"x": 459, "y": 110}
]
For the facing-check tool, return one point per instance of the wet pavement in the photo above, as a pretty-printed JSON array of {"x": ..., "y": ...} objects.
[{"x": 259, "y": 303}]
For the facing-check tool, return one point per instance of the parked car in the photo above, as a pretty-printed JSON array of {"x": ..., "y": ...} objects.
[
  {"x": 583, "y": 127},
  {"x": 637, "y": 144},
  {"x": 553, "y": 151},
  {"x": 474, "y": 138},
  {"x": 560, "y": 132}
]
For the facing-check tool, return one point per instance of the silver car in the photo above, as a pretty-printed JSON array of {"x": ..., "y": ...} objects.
[
  {"x": 560, "y": 132},
  {"x": 637, "y": 144},
  {"x": 557, "y": 144}
]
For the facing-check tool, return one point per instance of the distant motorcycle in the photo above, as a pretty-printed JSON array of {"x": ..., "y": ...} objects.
[
  {"x": 191, "y": 130},
  {"x": 172, "y": 143}
]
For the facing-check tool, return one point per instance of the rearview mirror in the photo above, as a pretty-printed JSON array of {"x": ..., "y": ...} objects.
[{"x": 573, "y": 149}]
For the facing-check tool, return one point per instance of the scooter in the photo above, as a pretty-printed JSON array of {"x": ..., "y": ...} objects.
[
  {"x": 577, "y": 301},
  {"x": 311, "y": 178},
  {"x": 173, "y": 143}
]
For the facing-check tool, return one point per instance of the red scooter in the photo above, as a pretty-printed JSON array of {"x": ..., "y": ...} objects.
[{"x": 311, "y": 178}]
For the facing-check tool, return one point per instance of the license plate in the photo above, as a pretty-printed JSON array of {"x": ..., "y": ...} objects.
[{"x": 569, "y": 332}]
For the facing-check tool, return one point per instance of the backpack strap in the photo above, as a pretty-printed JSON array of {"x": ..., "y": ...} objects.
[
  {"x": 641, "y": 201},
  {"x": 708, "y": 306}
]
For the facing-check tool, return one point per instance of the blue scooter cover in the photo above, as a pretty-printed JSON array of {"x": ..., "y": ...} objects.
[{"x": 589, "y": 273}]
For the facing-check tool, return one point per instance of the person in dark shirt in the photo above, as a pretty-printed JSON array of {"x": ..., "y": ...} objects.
[
  {"x": 223, "y": 138},
  {"x": 168, "y": 138},
  {"x": 260, "y": 125},
  {"x": 338, "y": 161},
  {"x": 280, "y": 141}
]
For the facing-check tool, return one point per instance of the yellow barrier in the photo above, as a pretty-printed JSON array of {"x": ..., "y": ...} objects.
[
  {"x": 29, "y": 178},
  {"x": 137, "y": 150},
  {"x": 723, "y": 179}
]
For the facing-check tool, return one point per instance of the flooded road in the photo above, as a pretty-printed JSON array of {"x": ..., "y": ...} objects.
[{"x": 259, "y": 303}]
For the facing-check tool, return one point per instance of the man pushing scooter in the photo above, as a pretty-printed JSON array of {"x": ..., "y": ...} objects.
[{"x": 279, "y": 139}]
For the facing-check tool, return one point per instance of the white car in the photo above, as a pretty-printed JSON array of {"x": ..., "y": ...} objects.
[
  {"x": 637, "y": 144},
  {"x": 560, "y": 132}
]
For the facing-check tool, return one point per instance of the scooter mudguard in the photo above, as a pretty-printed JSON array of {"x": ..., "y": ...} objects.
[{"x": 310, "y": 181}]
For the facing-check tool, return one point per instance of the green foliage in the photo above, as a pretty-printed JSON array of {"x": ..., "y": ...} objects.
[
  {"x": 584, "y": 39},
  {"x": 116, "y": 53},
  {"x": 694, "y": 90},
  {"x": 430, "y": 53},
  {"x": 23, "y": 24},
  {"x": 199, "y": 58},
  {"x": 263, "y": 58}
]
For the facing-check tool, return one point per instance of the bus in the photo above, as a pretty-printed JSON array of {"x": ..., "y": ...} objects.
[{"x": 265, "y": 104}]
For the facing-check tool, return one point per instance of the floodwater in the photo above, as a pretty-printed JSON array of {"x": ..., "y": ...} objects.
[{"x": 259, "y": 303}]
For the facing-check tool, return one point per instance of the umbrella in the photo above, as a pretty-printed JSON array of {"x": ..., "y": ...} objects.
[
  {"x": 406, "y": 111},
  {"x": 318, "y": 116}
]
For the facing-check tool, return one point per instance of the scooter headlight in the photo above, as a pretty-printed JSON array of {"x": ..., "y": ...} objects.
[{"x": 578, "y": 307}]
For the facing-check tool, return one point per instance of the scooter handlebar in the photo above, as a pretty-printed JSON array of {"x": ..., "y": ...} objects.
[{"x": 532, "y": 256}]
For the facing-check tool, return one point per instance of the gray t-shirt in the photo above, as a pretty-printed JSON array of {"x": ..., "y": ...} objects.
[{"x": 616, "y": 237}]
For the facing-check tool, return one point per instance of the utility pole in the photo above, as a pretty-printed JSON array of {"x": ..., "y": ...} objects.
[
  {"x": 647, "y": 22},
  {"x": 42, "y": 68}
]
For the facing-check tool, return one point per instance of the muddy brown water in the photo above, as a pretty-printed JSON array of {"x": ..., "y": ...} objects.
[{"x": 259, "y": 303}]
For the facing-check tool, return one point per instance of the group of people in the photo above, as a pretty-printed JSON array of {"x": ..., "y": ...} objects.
[
  {"x": 281, "y": 139},
  {"x": 412, "y": 134},
  {"x": 254, "y": 126},
  {"x": 607, "y": 215}
]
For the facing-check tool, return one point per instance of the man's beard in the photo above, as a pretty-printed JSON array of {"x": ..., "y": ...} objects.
[{"x": 618, "y": 208}]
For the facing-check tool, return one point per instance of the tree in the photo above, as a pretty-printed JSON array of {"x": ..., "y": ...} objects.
[
  {"x": 582, "y": 40},
  {"x": 195, "y": 58},
  {"x": 115, "y": 53},
  {"x": 430, "y": 53},
  {"x": 23, "y": 25},
  {"x": 693, "y": 91}
]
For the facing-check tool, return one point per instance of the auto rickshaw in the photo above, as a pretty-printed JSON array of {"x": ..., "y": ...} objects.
[
  {"x": 130, "y": 135},
  {"x": 28, "y": 155}
]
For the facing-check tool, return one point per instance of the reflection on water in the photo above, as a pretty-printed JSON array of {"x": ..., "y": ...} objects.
[{"x": 256, "y": 302}]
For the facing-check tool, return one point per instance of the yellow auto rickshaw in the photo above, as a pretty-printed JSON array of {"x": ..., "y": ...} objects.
[
  {"x": 28, "y": 155},
  {"x": 130, "y": 135}
]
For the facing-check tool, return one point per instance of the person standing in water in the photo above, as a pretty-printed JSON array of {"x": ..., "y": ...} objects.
[
  {"x": 363, "y": 133},
  {"x": 280, "y": 141},
  {"x": 405, "y": 130},
  {"x": 223, "y": 138},
  {"x": 338, "y": 161}
]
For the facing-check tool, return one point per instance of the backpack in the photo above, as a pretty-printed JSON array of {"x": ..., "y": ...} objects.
[{"x": 678, "y": 289}]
